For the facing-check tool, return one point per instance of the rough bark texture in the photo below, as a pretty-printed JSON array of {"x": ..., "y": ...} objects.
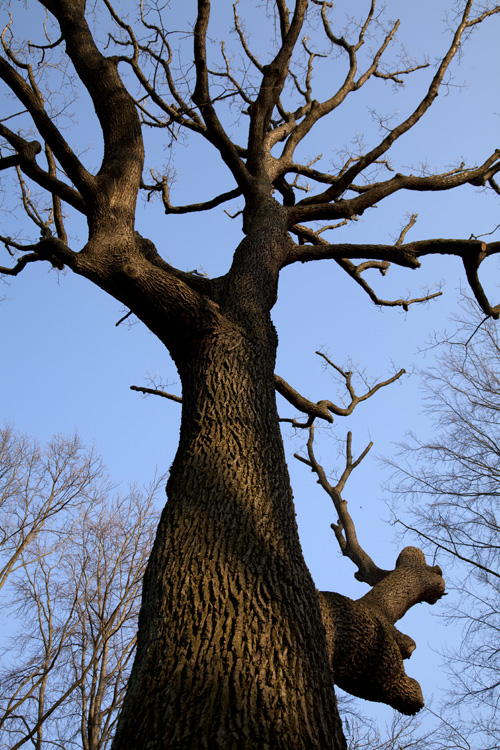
[
  {"x": 232, "y": 644},
  {"x": 366, "y": 650}
]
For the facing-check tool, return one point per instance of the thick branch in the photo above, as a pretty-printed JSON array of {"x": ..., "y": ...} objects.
[
  {"x": 56, "y": 201},
  {"x": 49, "y": 132},
  {"x": 412, "y": 582},
  {"x": 10, "y": 161},
  {"x": 120, "y": 174},
  {"x": 20, "y": 265},
  {"x": 201, "y": 97},
  {"x": 472, "y": 253},
  {"x": 356, "y": 271},
  {"x": 366, "y": 651},
  {"x": 320, "y": 409},
  {"x": 273, "y": 80},
  {"x": 26, "y": 159},
  {"x": 405, "y": 255},
  {"x": 328, "y": 206},
  {"x": 49, "y": 248}
]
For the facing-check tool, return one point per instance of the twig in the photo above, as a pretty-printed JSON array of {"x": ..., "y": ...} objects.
[{"x": 155, "y": 392}]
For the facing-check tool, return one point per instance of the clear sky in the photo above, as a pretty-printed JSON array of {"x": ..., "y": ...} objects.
[{"x": 65, "y": 365}]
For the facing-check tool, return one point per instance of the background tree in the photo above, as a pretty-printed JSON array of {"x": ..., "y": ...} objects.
[
  {"x": 452, "y": 481},
  {"x": 426, "y": 732},
  {"x": 232, "y": 647},
  {"x": 442, "y": 525},
  {"x": 38, "y": 485},
  {"x": 71, "y": 604}
]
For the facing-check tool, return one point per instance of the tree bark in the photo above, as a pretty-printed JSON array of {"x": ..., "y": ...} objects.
[{"x": 232, "y": 650}]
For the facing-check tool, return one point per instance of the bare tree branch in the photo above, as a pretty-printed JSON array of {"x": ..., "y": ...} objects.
[
  {"x": 350, "y": 175},
  {"x": 156, "y": 392},
  {"x": 48, "y": 248},
  {"x": 320, "y": 110},
  {"x": 344, "y": 529},
  {"x": 121, "y": 168},
  {"x": 26, "y": 159},
  {"x": 80, "y": 556},
  {"x": 322, "y": 409},
  {"x": 48, "y": 130},
  {"x": 472, "y": 253},
  {"x": 273, "y": 79},
  {"x": 330, "y": 206},
  {"x": 163, "y": 187},
  {"x": 201, "y": 97}
]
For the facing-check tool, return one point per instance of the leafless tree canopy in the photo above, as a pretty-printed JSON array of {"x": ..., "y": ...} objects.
[
  {"x": 452, "y": 481},
  {"x": 75, "y": 558},
  {"x": 275, "y": 110}
]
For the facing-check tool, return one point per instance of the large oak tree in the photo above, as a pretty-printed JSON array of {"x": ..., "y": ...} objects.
[{"x": 236, "y": 647}]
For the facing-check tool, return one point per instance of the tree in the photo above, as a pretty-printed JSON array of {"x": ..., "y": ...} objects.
[
  {"x": 72, "y": 597},
  {"x": 37, "y": 486},
  {"x": 450, "y": 486},
  {"x": 404, "y": 733},
  {"x": 232, "y": 649}
]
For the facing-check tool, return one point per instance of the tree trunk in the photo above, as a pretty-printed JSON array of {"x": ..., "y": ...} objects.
[{"x": 232, "y": 650}]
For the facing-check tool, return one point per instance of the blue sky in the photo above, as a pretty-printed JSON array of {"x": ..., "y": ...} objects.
[{"x": 65, "y": 365}]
